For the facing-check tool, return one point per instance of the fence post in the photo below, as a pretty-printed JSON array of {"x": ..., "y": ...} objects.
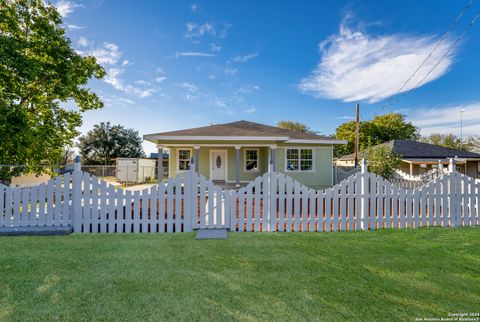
[
  {"x": 451, "y": 165},
  {"x": 452, "y": 187},
  {"x": 77, "y": 195},
  {"x": 187, "y": 200},
  {"x": 363, "y": 193}
]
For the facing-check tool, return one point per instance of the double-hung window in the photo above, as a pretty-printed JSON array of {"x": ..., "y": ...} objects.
[
  {"x": 184, "y": 159},
  {"x": 299, "y": 160},
  {"x": 251, "y": 160}
]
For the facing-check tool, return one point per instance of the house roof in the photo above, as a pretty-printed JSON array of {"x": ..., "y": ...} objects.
[
  {"x": 410, "y": 149},
  {"x": 241, "y": 130}
]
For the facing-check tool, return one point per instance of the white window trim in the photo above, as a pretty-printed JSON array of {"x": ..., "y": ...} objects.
[
  {"x": 245, "y": 160},
  {"x": 299, "y": 158},
  {"x": 178, "y": 159}
]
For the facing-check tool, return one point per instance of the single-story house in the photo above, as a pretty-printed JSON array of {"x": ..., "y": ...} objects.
[
  {"x": 419, "y": 157},
  {"x": 238, "y": 152}
]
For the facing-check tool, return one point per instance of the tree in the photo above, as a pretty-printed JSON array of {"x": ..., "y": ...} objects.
[
  {"x": 446, "y": 140},
  {"x": 295, "y": 126},
  {"x": 104, "y": 143},
  {"x": 473, "y": 143},
  {"x": 382, "y": 128},
  {"x": 68, "y": 156},
  {"x": 39, "y": 71},
  {"x": 382, "y": 161}
]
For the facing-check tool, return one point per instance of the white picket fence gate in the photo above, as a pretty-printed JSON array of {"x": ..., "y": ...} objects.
[{"x": 273, "y": 202}]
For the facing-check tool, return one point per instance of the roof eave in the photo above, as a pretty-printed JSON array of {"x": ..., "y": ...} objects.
[
  {"x": 154, "y": 137},
  {"x": 317, "y": 141}
]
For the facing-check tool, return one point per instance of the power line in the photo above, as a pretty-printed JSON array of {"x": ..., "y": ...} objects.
[
  {"x": 474, "y": 20},
  {"x": 442, "y": 38},
  {"x": 459, "y": 17}
]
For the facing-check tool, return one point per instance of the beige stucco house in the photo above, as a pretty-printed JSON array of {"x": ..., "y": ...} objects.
[{"x": 236, "y": 153}]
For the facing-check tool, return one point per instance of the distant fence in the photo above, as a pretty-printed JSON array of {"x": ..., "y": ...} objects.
[
  {"x": 122, "y": 174},
  {"x": 342, "y": 173},
  {"x": 408, "y": 181},
  {"x": 272, "y": 202}
]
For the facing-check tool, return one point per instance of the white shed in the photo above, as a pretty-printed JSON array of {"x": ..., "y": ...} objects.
[{"x": 135, "y": 170}]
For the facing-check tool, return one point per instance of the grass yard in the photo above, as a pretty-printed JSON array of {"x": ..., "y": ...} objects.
[{"x": 374, "y": 275}]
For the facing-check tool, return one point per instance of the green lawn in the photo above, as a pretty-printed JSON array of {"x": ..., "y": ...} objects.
[{"x": 374, "y": 275}]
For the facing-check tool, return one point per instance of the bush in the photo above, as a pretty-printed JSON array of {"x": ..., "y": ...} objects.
[{"x": 382, "y": 160}]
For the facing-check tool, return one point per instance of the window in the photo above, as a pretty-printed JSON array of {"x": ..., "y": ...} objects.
[
  {"x": 299, "y": 160},
  {"x": 184, "y": 159},
  {"x": 251, "y": 160}
]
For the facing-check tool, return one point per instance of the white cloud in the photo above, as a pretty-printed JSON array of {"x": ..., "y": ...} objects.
[
  {"x": 74, "y": 27},
  {"x": 250, "y": 110},
  {"x": 114, "y": 99},
  {"x": 82, "y": 42},
  {"x": 108, "y": 54},
  {"x": 195, "y": 30},
  {"x": 113, "y": 78},
  {"x": 161, "y": 75},
  {"x": 230, "y": 70},
  {"x": 227, "y": 111},
  {"x": 142, "y": 82},
  {"x": 223, "y": 33},
  {"x": 214, "y": 47},
  {"x": 243, "y": 59},
  {"x": 247, "y": 89},
  {"x": 356, "y": 66},
  {"x": 191, "y": 92},
  {"x": 446, "y": 119},
  {"x": 125, "y": 100},
  {"x": 194, "y": 54},
  {"x": 65, "y": 8},
  {"x": 346, "y": 117},
  {"x": 188, "y": 86},
  {"x": 220, "y": 102},
  {"x": 194, "y": 7}
]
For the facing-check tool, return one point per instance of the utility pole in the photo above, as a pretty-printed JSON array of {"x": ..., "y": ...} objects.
[
  {"x": 356, "y": 133},
  {"x": 461, "y": 128}
]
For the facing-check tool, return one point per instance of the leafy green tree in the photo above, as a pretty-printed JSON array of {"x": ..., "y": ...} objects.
[
  {"x": 446, "y": 140},
  {"x": 104, "y": 143},
  {"x": 296, "y": 126},
  {"x": 393, "y": 126},
  {"x": 382, "y": 128},
  {"x": 39, "y": 70},
  {"x": 382, "y": 161}
]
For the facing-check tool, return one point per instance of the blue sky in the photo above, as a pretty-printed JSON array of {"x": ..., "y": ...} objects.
[{"x": 182, "y": 64}]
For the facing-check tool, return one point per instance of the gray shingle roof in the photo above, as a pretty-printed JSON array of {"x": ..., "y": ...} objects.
[
  {"x": 420, "y": 150},
  {"x": 244, "y": 128}
]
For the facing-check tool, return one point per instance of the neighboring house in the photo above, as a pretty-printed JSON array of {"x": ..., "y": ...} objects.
[
  {"x": 419, "y": 157},
  {"x": 238, "y": 152}
]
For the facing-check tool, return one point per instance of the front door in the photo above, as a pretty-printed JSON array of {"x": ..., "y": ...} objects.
[{"x": 218, "y": 164}]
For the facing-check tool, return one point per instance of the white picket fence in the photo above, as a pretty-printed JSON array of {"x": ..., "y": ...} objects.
[
  {"x": 273, "y": 202},
  {"x": 48, "y": 204},
  {"x": 364, "y": 201}
]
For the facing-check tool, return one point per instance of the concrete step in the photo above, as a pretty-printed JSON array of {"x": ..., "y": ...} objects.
[
  {"x": 36, "y": 231},
  {"x": 212, "y": 234}
]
